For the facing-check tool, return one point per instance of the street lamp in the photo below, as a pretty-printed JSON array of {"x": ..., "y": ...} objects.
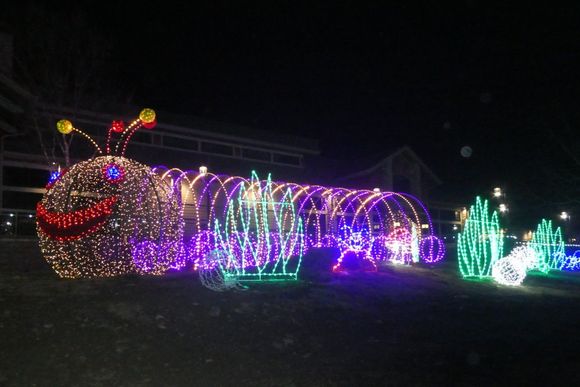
[
  {"x": 503, "y": 208},
  {"x": 497, "y": 192},
  {"x": 565, "y": 216}
]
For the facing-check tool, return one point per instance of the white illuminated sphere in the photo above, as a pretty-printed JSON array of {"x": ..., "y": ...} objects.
[
  {"x": 509, "y": 271},
  {"x": 526, "y": 255}
]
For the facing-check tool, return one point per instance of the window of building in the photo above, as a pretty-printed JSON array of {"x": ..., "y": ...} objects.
[
  {"x": 254, "y": 154},
  {"x": 181, "y": 143},
  {"x": 157, "y": 139},
  {"x": 20, "y": 200},
  {"x": 219, "y": 149},
  {"x": 141, "y": 137},
  {"x": 25, "y": 177},
  {"x": 287, "y": 159}
]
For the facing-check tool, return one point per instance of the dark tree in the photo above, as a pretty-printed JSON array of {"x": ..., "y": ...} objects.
[{"x": 65, "y": 63}]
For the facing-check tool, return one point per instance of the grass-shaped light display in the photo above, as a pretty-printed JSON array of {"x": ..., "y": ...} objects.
[
  {"x": 109, "y": 215},
  {"x": 262, "y": 235},
  {"x": 549, "y": 247},
  {"x": 480, "y": 244}
]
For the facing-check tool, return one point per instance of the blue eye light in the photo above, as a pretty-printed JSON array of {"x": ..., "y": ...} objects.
[{"x": 113, "y": 173}]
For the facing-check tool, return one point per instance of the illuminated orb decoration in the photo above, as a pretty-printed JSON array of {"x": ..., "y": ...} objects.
[
  {"x": 64, "y": 126},
  {"x": 549, "y": 247},
  {"x": 109, "y": 216},
  {"x": 147, "y": 115},
  {"x": 211, "y": 274},
  {"x": 480, "y": 244},
  {"x": 525, "y": 254},
  {"x": 509, "y": 271},
  {"x": 432, "y": 249}
]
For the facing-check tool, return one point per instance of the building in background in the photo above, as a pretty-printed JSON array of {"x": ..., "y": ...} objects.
[{"x": 28, "y": 154}]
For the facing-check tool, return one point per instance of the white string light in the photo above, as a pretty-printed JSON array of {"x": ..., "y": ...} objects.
[{"x": 211, "y": 274}]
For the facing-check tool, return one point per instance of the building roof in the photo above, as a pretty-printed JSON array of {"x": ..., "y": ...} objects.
[{"x": 368, "y": 165}]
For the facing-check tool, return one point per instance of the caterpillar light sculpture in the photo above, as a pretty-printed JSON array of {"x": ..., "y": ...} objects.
[{"x": 111, "y": 215}]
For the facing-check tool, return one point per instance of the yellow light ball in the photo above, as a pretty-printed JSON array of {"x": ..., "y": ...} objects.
[
  {"x": 147, "y": 115},
  {"x": 64, "y": 126}
]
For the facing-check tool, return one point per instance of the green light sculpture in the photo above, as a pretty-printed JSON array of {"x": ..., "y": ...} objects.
[
  {"x": 262, "y": 235},
  {"x": 549, "y": 247},
  {"x": 480, "y": 244}
]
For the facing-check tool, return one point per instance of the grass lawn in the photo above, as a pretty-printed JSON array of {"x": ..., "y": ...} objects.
[{"x": 401, "y": 326}]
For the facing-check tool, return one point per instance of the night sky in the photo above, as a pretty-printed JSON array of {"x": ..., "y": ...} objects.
[{"x": 364, "y": 79}]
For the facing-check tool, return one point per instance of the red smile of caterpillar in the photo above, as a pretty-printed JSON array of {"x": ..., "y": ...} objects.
[{"x": 77, "y": 224}]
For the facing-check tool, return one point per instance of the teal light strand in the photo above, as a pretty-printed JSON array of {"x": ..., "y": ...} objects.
[{"x": 480, "y": 244}]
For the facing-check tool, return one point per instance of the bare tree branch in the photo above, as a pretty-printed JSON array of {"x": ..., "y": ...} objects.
[{"x": 61, "y": 60}]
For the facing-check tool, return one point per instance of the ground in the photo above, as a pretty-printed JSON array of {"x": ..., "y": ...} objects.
[{"x": 401, "y": 326}]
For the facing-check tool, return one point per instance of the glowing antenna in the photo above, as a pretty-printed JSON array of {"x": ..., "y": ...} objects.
[
  {"x": 146, "y": 119},
  {"x": 117, "y": 127},
  {"x": 66, "y": 127}
]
